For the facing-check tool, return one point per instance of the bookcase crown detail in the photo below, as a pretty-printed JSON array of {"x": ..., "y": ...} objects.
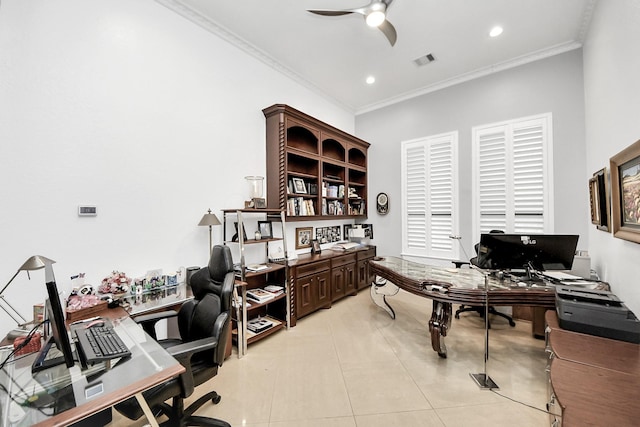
[{"x": 314, "y": 171}]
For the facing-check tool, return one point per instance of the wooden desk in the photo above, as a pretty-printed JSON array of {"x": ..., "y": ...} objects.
[
  {"x": 447, "y": 286},
  {"x": 595, "y": 380},
  {"x": 148, "y": 366}
]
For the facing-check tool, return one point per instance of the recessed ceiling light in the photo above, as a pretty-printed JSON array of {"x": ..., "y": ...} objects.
[
  {"x": 371, "y": 80},
  {"x": 495, "y": 31}
]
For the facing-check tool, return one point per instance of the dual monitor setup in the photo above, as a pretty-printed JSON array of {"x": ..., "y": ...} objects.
[{"x": 530, "y": 253}]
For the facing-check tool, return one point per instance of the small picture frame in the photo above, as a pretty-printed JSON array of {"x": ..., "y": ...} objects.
[
  {"x": 599, "y": 198},
  {"x": 265, "y": 229},
  {"x": 235, "y": 236},
  {"x": 625, "y": 189},
  {"x": 299, "y": 186},
  {"x": 303, "y": 237},
  {"x": 315, "y": 247}
]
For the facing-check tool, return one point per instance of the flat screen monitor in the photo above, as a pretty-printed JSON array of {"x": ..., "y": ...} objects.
[
  {"x": 59, "y": 335},
  {"x": 525, "y": 251}
]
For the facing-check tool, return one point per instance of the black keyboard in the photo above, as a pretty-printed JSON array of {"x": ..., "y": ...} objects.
[{"x": 100, "y": 343}]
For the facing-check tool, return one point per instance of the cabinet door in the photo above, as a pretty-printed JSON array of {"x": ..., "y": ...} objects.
[
  {"x": 350, "y": 279},
  {"x": 323, "y": 283},
  {"x": 337, "y": 283},
  {"x": 362, "y": 273},
  {"x": 306, "y": 288},
  {"x": 370, "y": 276}
]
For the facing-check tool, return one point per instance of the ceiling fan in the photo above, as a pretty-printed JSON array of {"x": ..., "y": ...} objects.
[{"x": 375, "y": 14}]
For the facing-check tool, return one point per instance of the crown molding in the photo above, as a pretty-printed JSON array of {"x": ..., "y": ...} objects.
[
  {"x": 232, "y": 38},
  {"x": 472, "y": 75},
  {"x": 242, "y": 44}
]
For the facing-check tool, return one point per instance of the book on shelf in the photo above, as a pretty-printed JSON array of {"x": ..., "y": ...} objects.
[
  {"x": 260, "y": 295},
  {"x": 298, "y": 206},
  {"x": 274, "y": 289},
  {"x": 259, "y": 324}
]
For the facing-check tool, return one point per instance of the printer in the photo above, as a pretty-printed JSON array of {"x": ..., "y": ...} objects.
[{"x": 596, "y": 312}]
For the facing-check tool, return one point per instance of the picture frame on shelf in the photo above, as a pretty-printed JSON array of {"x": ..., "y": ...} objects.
[
  {"x": 315, "y": 247},
  {"x": 299, "y": 186},
  {"x": 265, "y": 229},
  {"x": 625, "y": 188},
  {"x": 599, "y": 198},
  {"x": 303, "y": 237},
  {"x": 235, "y": 236}
]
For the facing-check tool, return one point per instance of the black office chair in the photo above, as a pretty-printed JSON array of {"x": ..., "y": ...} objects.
[
  {"x": 480, "y": 309},
  {"x": 204, "y": 324}
]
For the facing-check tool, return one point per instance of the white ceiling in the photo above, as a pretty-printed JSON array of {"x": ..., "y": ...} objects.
[{"x": 334, "y": 55}]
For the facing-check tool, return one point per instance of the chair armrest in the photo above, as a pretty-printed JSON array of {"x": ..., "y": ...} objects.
[
  {"x": 183, "y": 352},
  {"x": 148, "y": 321}
]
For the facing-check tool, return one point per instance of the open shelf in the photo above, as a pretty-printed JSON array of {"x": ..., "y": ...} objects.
[{"x": 302, "y": 150}]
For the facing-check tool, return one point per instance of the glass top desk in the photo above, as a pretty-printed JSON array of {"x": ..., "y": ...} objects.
[
  {"x": 80, "y": 393},
  {"x": 447, "y": 286}
]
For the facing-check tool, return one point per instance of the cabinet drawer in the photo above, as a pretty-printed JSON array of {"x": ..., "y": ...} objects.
[
  {"x": 313, "y": 268},
  {"x": 343, "y": 260},
  {"x": 368, "y": 253}
]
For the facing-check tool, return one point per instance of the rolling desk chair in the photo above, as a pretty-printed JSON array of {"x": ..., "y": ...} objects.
[
  {"x": 204, "y": 324},
  {"x": 480, "y": 308}
]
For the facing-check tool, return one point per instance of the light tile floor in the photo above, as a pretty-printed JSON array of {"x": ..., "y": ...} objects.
[{"x": 354, "y": 366}]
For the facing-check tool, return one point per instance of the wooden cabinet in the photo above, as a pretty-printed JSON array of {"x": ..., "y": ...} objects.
[
  {"x": 343, "y": 276},
  {"x": 274, "y": 312},
  {"x": 312, "y": 288},
  {"x": 318, "y": 280},
  {"x": 592, "y": 380},
  {"x": 364, "y": 275},
  {"x": 314, "y": 171}
]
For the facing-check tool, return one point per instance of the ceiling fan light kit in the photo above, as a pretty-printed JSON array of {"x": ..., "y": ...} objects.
[{"x": 374, "y": 14}]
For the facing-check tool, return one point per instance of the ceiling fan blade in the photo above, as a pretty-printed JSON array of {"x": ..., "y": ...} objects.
[
  {"x": 331, "y": 12},
  {"x": 389, "y": 31}
]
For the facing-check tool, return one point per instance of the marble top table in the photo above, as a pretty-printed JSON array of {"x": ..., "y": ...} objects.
[{"x": 447, "y": 286}]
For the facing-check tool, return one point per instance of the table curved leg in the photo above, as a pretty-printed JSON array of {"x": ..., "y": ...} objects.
[
  {"x": 439, "y": 325},
  {"x": 380, "y": 289}
]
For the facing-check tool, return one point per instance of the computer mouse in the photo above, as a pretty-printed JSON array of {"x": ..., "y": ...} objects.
[{"x": 98, "y": 323}]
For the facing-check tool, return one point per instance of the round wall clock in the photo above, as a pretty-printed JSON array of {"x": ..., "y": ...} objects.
[{"x": 382, "y": 203}]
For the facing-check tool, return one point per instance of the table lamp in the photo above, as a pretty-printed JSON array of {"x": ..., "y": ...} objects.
[
  {"x": 35, "y": 262},
  {"x": 210, "y": 220}
]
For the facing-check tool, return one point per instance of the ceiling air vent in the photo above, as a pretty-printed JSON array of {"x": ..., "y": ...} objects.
[{"x": 424, "y": 60}]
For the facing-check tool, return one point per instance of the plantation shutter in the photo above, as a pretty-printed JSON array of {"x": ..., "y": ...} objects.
[
  {"x": 430, "y": 196},
  {"x": 512, "y": 176}
]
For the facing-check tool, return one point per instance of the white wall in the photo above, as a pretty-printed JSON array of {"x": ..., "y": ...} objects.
[
  {"x": 550, "y": 85},
  {"x": 125, "y": 105},
  {"x": 612, "y": 100}
]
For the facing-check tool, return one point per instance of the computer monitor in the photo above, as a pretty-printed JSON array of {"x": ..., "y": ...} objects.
[
  {"x": 527, "y": 251},
  {"x": 59, "y": 335}
]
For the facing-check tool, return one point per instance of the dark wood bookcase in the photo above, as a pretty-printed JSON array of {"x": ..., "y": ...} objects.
[{"x": 314, "y": 171}]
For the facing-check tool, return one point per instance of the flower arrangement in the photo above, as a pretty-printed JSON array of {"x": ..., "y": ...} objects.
[{"x": 117, "y": 282}]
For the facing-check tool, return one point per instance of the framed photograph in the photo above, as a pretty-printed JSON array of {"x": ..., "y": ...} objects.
[
  {"x": 315, "y": 247},
  {"x": 625, "y": 191},
  {"x": 264, "y": 227},
  {"x": 303, "y": 237},
  {"x": 235, "y": 236},
  {"x": 593, "y": 200},
  {"x": 299, "y": 186},
  {"x": 599, "y": 199}
]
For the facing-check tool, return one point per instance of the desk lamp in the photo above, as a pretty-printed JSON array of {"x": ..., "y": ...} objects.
[
  {"x": 35, "y": 262},
  {"x": 210, "y": 220}
]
